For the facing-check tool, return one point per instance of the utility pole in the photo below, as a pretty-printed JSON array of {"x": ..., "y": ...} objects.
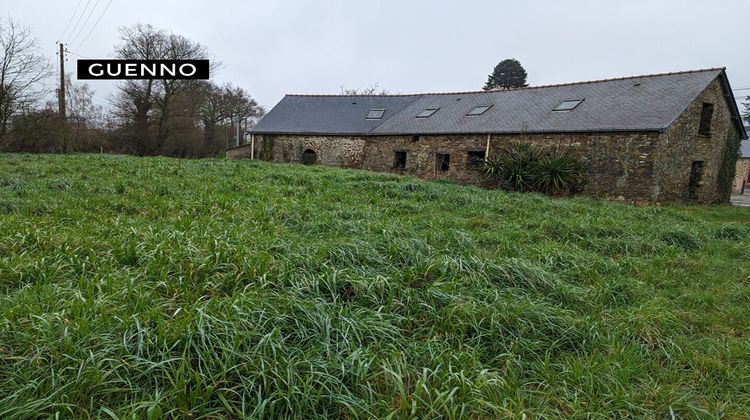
[
  {"x": 239, "y": 123},
  {"x": 61, "y": 96},
  {"x": 61, "y": 99},
  {"x": 244, "y": 131}
]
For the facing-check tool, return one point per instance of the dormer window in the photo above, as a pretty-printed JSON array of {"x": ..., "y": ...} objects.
[
  {"x": 375, "y": 114},
  {"x": 568, "y": 105},
  {"x": 478, "y": 110}
]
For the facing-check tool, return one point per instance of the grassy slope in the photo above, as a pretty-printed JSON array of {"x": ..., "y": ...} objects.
[{"x": 214, "y": 287}]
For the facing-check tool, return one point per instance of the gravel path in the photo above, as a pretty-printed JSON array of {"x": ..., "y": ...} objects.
[{"x": 741, "y": 200}]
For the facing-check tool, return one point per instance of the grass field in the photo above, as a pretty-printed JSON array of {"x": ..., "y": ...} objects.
[{"x": 158, "y": 287}]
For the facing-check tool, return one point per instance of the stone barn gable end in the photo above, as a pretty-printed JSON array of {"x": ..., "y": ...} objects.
[{"x": 645, "y": 138}]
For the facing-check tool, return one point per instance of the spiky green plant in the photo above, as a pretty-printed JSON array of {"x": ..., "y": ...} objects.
[
  {"x": 558, "y": 173},
  {"x": 515, "y": 167},
  {"x": 524, "y": 168}
]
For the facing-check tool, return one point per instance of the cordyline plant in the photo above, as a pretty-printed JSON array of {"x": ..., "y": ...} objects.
[{"x": 524, "y": 168}]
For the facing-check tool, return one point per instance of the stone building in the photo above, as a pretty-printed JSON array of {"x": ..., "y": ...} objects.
[
  {"x": 662, "y": 137},
  {"x": 742, "y": 172}
]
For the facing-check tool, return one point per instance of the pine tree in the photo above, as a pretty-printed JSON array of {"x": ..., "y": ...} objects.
[{"x": 507, "y": 74}]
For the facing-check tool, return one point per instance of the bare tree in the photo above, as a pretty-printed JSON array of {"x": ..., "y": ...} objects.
[
  {"x": 148, "y": 106},
  {"x": 174, "y": 117},
  {"x": 84, "y": 118},
  {"x": 22, "y": 68},
  {"x": 240, "y": 107},
  {"x": 212, "y": 111},
  {"x": 373, "y": 90},
  {"x": 172, "y": 91},
  {"x": 225, "y": 107},
  {"x": 80, "y": 107},
  {"x": 135, "y": 103}
]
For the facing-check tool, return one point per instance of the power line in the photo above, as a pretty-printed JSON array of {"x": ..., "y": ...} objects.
[
  {"x": 70, "y": 20},
  {"x": 76, "y": 54},
  {"x": 94, "y": 27},
  {"x": 83, "y": 12},
  {"x": 85, "y": 22}
]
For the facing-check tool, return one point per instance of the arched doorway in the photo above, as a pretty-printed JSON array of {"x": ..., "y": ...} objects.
[{"x": 309, "y": 157}]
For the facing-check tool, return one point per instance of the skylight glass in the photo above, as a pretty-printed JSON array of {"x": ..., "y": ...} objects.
[
  {"x": 375, "y": 114},
  {"x": 568, "y": 105},
  {"x": 427, "y": 113},
  {"x": 478, "y": 110}
]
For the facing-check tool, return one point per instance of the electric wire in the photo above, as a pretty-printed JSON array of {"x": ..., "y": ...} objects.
[
  {"x": 85, "y": 22},
  {"x": 83, "y": 12},
  {"x": 59, "y": 38},
  {"x": 95, "y": 24}
]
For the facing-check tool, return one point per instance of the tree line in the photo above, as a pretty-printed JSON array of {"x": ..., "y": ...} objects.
[{"x": 180, "y": 118}]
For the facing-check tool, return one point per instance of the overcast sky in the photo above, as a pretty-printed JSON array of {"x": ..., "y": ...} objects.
[{"x": 275, "y": 47}]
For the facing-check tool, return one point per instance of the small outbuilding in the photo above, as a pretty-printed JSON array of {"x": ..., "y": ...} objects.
[{"x": 663, "y": 137}]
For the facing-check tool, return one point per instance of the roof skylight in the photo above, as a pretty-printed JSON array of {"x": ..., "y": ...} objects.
[
  {"x": 375, "y": 114},
  {"x": 427, "y": 113},
  {"x": 568, "y": 105},
  {"x": 478, "y": 110}
]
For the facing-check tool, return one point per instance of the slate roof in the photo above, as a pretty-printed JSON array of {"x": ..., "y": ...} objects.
[
  {"x": 640, "y": 103},
  {"x": 297, "y": 114}
]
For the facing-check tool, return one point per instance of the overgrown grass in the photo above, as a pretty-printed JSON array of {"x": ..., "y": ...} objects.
[{"x": 159, "y": 287}]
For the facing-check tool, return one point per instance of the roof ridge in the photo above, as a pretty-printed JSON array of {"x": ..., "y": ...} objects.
[
  {"x": 613, "y": 79},
  {"x": 338, "y": 95}
]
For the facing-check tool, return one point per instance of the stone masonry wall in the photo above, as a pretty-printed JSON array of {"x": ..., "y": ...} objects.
[
  {"x": 345, "y": 152},
  {"x": 620, "y": 165},
  {"x": 682, "y": 145},
  {"x": 742, "y": 174},
  {"x": 421, "y": 156}
]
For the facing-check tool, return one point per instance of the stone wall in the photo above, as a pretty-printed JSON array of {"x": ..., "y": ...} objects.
[
  {"x": 421, "y": 156},
  {"x": 345, "y": 152},
  {"x": 620, "y": 165},
  {"x": 742, "y": 176},
  {"x": 682, "y": 145}
]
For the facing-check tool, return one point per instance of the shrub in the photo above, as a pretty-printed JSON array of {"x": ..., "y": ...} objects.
[
  {"x": 728, "y": 161},
  {"x": 515, "y": 168},
  {"x": 524, "y": 168},
  {"x": 558, "y": 173}
]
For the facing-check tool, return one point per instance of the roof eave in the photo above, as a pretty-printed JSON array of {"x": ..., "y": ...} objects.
[
  {"x": 468, "y": 133},
  {"x": 734, "y": 109}
]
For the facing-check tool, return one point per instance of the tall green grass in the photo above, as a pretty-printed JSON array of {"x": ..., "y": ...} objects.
[{"x": 166, "y": 288}]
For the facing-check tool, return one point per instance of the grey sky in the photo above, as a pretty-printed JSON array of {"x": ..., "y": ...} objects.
[{"x": 275, "y": 47}]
